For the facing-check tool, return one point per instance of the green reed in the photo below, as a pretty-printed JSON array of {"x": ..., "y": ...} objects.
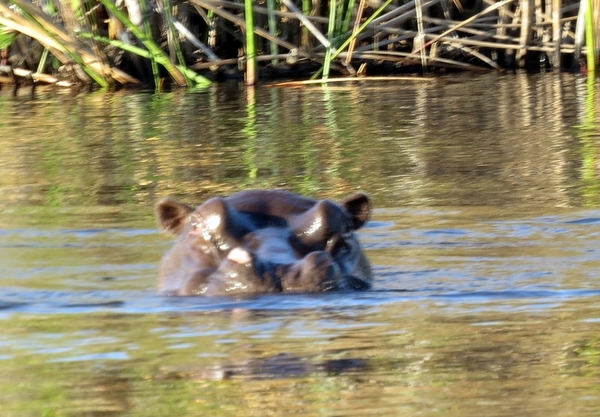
[
  {"x": 31, "y": 20},
  {"x": 330, "y": 37},
  {"x": 148, "y": 32},
  {"x": 334, "y": 54},
  {"x": 250, "y": 44},
  {"x": 340, "y": 16},
  {"x": 7, "y": 37},
  {"x": 74, "y": 32},
  {"x": 180, "y": 75},
  {"x": 590, "y": 36},
  {"x": 272, "y": 29},
  {"x": 78, "y": 39}
]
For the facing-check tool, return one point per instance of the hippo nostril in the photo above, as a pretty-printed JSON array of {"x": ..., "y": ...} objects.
[{"x": 240, "y": 256}]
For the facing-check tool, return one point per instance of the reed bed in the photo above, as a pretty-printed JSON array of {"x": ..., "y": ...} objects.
[{"x": 188, "y": 44}]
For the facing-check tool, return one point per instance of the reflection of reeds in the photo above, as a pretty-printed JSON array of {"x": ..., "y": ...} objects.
[
  {"x": 329, "y": 139},
  {"x": 139, "y": 42}
]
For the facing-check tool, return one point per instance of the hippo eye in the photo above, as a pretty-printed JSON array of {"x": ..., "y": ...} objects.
[
  {"x": 340, "y": 244},
  {"x": 334, "y": 244}
]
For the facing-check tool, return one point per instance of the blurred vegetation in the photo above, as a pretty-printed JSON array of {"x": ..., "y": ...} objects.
[{"x": 169, "y": 44}]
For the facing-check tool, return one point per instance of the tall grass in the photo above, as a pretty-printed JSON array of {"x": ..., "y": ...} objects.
[
  {"x": 77, "y": 42},
  {"x": 348, "y": 41},
  {"x": 250, "y": 44},
  {"x": 590, "y": 38},
  {"x": 272, "y": 29},
  {"x": 162, "y": 43}
]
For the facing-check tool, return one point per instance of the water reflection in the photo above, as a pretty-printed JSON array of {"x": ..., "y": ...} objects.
[
  {"x": 590, "y": 134},
  {"x": 491, "y": 139},
  {"x": 414, "y": 358},
  {"x": 485, "y": 299}
]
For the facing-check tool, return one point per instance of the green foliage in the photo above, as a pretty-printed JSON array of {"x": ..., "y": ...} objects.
[
  {"x": 331, "y": 55},
  {"x": 7, "y": 37},
  {"x": 180, "y": 75},
  {"x": 250, "y": 43},
  {"x": 590, "y": 36},
  {"x": 68, "y": 41},
  {"x": 34, "y": 22}
]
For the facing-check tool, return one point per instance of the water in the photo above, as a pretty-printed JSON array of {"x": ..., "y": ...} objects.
[{"x": 484, "y": 242}]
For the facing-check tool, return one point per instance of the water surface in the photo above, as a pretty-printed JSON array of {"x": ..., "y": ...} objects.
[{"x": 484, "y": 241}]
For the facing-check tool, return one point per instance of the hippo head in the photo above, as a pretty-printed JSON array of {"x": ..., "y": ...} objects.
[{"x": 264, "y": 242}]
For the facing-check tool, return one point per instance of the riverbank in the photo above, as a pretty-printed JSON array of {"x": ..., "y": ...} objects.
[{"x": 191, "y": 44}]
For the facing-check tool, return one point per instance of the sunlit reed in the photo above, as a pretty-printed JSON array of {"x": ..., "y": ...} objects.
[{"x": 170, "y": 44}]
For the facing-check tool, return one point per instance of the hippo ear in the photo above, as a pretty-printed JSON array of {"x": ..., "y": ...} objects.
[
  {"x": 359, "y": 206},
  {"x": 172, "y": 215}
]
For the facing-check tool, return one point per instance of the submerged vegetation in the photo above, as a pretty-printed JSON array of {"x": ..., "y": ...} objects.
[{"x": 172, "y": 43}]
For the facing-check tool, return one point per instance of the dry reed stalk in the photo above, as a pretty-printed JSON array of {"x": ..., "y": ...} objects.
[
  {"x": 476, "y": 54},
  {"x": 448, "y": 15},
  {"x": 419, "y": 40},
  {"x": 432, "y": 33},
  {"x": 68, "y": 48},
  {"x": 234, "y": 61},
  {"x": 498, "y": 45},
  {"x": 401, "y": 14},
  {"x": 538, "y": 19},
  {"x": 395, "y": 56},
  {"x": 180, "y": 75},
  {"x": 359, "y": 13},
  {"x": 555, "y": 56},
  {"x": 21, "y": 25},
  {"x": 35, "y": 76},
  {"x": 263, "y": 10},
  {"x": 466, "y": 22},
  {"x": 46, "y": 21},
  {"x": 527, "y": 14},
  {"x": 404, "y": 35},
  {"x": 491, "y": 33},
  {"x": 434, "y": 61},
  {"x": 308, "y": 24},
  {"x": 61, "y": 44},
  {"x": 195, "y": 41},
  {"x": 208, "y": 4},
  {"x": 395, "y": 18},
  {"x": 348, "y": 79},
  {"x": 389, "y": 23},
  {"x": 580, "y": 30},
  {"x": 362, "y": 27}
]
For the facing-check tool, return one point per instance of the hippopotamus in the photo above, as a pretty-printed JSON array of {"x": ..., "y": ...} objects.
[{"x": 264, "y": 241}]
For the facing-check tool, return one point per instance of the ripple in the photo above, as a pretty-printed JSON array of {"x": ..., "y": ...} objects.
[{"x": 23, "y": 301}]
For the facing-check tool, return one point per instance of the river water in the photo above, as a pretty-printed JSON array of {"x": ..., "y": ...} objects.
[{"x": 485, "y": 241}]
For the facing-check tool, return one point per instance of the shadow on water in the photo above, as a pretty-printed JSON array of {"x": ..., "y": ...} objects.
[{"x": 484, "y": 241}]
